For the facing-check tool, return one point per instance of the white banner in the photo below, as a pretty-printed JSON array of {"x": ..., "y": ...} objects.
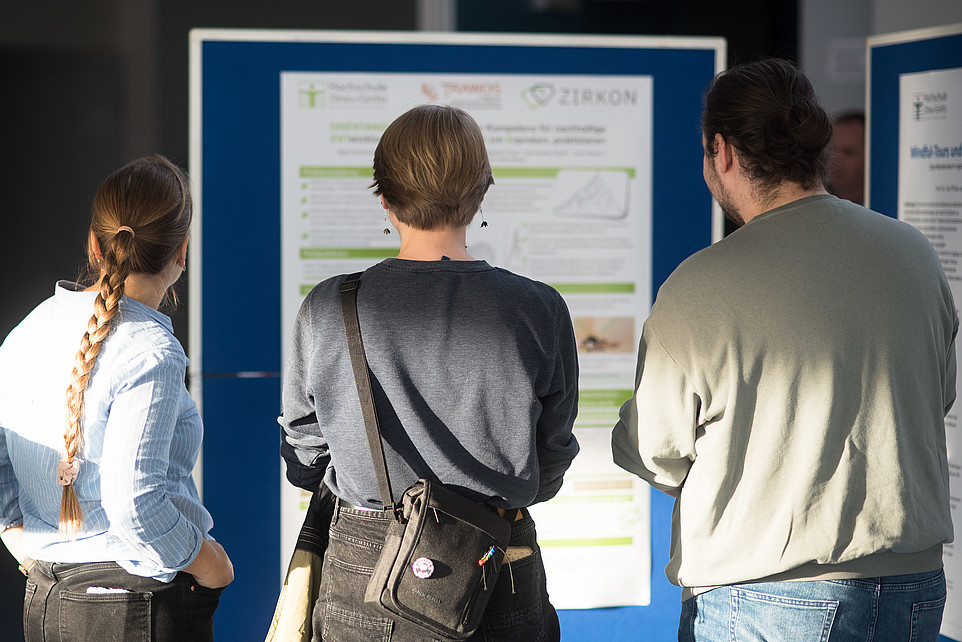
[
  {"x": 571, "y": 206},
  {"x": 930, "y": 198}
]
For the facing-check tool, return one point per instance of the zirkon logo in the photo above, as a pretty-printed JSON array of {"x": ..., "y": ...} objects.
[
  {"x": 538, "y": 95},
  {"x": 542, "y": 94}
]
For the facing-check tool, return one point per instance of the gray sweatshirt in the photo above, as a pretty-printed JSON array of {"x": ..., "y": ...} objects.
[
  {"x": 475, "y": 378},
  {"x": 792, "y": 382}
]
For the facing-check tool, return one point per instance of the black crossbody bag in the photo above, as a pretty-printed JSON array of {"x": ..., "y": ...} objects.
[{"x": 443, "y": 552}]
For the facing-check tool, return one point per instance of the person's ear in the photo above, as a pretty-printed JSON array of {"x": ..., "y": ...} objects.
[
  {"x": 95, "y": 246},
  {"x": 724, "y": 154},
  {"x": 182, "y": 252}
]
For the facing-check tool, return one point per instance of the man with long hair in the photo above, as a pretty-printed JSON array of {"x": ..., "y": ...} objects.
[{"x": 791, "y": 390}]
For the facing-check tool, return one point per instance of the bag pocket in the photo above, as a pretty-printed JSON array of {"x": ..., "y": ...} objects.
[{"x": 105, "y": 617}]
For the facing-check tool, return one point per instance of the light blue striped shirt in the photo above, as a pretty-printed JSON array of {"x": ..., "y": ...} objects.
[{"x": 142, "y": 435}]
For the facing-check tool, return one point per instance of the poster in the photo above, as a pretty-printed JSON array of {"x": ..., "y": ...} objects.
[
  {"x": 930, "y": 198},
  {"x": 571, "y": 206}
]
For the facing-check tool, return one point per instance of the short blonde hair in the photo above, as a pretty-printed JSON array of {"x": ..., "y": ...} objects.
[{"x": 431, "y": 166}]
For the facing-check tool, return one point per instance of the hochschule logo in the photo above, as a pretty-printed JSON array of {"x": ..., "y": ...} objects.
[
  {"x": 930, "y": 105},
  {"x": 541, "y": 95}
]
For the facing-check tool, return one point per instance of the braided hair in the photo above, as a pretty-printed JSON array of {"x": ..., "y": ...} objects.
[{"x": 140, "y": 215}]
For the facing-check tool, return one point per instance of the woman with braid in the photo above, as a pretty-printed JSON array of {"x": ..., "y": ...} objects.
[{"x": 98, "y": 436}]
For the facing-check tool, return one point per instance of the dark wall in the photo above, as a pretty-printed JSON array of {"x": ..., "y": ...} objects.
[
  {"x": 753, "y": 28},
  {"x": 61, "y": 119},
  {"x": 62, "y": 115}
]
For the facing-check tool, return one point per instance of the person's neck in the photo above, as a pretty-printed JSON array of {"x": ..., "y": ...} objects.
[
  {"x": 145, "y": 288},
  {"x": 785, "y": 194},
  {"x": 433, "y": 245}
]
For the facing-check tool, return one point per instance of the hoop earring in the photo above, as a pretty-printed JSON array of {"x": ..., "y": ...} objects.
[
  {"x": 484, "y": 223},
  {"x": 387, "y": 230}
]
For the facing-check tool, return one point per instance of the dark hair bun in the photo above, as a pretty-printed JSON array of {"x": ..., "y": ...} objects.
[{"x": 768, "y": 110}]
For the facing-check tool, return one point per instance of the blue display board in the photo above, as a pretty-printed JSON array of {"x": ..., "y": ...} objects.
[
  {"x": 236, "y": 258},
  {"x": 889, "y": 57}
]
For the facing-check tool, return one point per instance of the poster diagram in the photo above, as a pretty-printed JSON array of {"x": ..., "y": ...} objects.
[{"x": 592, "y": 194}]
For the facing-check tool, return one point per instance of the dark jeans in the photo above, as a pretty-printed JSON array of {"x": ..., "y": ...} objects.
[
  {"x": 880, "y": 609},
  {"x": 58, "y": 607},
  {"x": 520, "y": 612}
]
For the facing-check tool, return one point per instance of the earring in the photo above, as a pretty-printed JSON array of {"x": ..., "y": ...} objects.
[
  {"x": 484, "y": 223},
  {"x": 387, "y": 230}
]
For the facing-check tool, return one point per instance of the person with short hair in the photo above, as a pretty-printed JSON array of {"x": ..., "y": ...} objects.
[
  {"x": 475, "y": 379},
  {"x": 97, "y": 501},
  {"x": 847, "y": 179},
  {"x": 791, "y": 389}
]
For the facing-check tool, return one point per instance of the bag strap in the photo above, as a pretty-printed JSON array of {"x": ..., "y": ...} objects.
[{"x": 362, "y": 378}]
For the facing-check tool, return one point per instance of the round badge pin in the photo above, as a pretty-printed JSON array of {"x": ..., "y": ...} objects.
[{"x": 423, "y": 568}]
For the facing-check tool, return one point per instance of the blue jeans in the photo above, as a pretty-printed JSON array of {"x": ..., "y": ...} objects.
[
  {"x": 519, "y": 610},
  {"x": 58, "y": 607},
  {"x": 879, "y": 609}
]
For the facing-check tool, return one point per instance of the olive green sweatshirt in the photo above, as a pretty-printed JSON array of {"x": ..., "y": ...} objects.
[{"x": 792, "y": 383}]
